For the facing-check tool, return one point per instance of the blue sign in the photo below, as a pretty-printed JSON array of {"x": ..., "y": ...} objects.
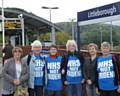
[{"x": 99, "y": 12}]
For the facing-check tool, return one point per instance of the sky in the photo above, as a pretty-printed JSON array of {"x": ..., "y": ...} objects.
[{"x": 67, "y": 8}]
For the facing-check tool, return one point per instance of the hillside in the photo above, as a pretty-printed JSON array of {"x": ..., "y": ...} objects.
[{"x": 94, "y": 33}]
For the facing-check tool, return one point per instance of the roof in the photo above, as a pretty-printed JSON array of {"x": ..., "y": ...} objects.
[{"x": 32, "y": 22}]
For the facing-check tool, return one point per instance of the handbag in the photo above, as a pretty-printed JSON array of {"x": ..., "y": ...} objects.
[{"x": 21, "y": 91}]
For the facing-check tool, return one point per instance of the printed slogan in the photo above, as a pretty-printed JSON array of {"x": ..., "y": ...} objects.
[
  {"x": 39, "y": 68},
  {"x": 54, "y": 70},
  {"x": 105, "y": 69},
  {"x": 74, "y": 68}
]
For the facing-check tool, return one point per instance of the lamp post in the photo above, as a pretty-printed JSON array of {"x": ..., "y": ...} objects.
[
  {"x": 52, "y": 36},
  {"x": 73, "y": 28},
  {"x": 101, "y": 33},
  {"x": 50, "y": 9},
  {"x": 3, "y": 29},
  {"x": 22, "y": 27},
  {"x": 111, "y": 36}
]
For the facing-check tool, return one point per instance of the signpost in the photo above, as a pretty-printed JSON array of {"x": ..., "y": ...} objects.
[
  {"x": 14, "y": 24},
  {"x": 11, "y": 25},
  {"x": 107, "y": 13}
]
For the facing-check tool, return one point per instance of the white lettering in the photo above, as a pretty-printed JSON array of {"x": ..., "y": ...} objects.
[
  {"x": 107, "y": 63},
  {"x": 54, "y": 71},
  {"x": 38, "y": 74},
  {"x": 53, "y": 65},
  {"x": 96, "y": 13},
  {"x": 73, "y": 63},
  {"x": 105, "y": 69},
  {"x": 106, "y": 75},
  {"x": 74, "y": 73},
  {"x": 54, "y": 76}
]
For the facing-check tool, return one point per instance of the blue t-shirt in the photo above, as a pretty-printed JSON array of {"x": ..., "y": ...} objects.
[
  {"x": 74, "y": 75},
  {"x": 54, "y": 81},
  {"x": 39, "y": 71},
  {"x": 106, "y": 74}
]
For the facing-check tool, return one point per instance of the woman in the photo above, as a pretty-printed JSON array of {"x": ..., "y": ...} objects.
[
  {"x": 72, "y": 69},
  {"x": 54, "y": 80},
  {"x": 36, "y": 70},
  {"x": 15, "y": 73},
  {"x": 107, "y": 73},
  {"x": 89, "y": 69}
]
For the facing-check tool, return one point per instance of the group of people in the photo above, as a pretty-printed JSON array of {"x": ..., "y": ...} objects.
[{"x": 47, "y": 76}]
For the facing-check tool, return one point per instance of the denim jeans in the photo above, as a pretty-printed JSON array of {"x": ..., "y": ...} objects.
[
  {"x": 90, "y": 89},
  {"x": 74, "y": 90},
  {"x": 37, "y": 91},
  {"x": 53, "y": 93},
  {"x": 9, "y": 95}
]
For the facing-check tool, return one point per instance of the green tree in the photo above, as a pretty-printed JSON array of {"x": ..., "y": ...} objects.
[
  {"x": 45, "y": 37},
  {"x": 61, "y": 37}
]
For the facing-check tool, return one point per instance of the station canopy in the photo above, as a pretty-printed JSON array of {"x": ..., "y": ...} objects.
[{"x": 32, "y": 22}]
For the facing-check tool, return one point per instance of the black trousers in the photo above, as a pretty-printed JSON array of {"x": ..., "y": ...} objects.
[
  {"x": 53, "y": 93},
  {"x": 37, "y": 91},
  {"x": 109, "y": 93}
]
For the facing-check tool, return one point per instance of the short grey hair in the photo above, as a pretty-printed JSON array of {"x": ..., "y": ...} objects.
[
  {"x": 36, "y": 43},
  {"x": 93, "y": 45},
  {"x": 105, "y": 44}
]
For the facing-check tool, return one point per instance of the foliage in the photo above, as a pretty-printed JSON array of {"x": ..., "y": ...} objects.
[
  {"x": 61, "y": 37},
  {"x": 44, "y": 37},
  {"x": 0, "y": 38},
  {"x": 116, "y": 48},
  {"x": 92, "y": 33}
]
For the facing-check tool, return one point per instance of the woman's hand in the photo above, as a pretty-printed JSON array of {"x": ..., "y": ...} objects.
[
  {"x": 63, "y": 71},
  {"x": 89, "y": 82},
  {"x": 118, "y": 90},
  {"x": 65, "y": 82},
  {"x": 97, "y": 92},
  {"x": 83, "y": 81},
  {"x": 16, "y": 82}
]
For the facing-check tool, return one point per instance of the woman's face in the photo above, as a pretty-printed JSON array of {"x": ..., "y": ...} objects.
[
  {"x": 105, "y": 50},
  {"x": 36, "y": 50},
  {"x": 71, "y": 47},
  {"x": 53, "y": 51},
  {"x": 17, "y": 54}
]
